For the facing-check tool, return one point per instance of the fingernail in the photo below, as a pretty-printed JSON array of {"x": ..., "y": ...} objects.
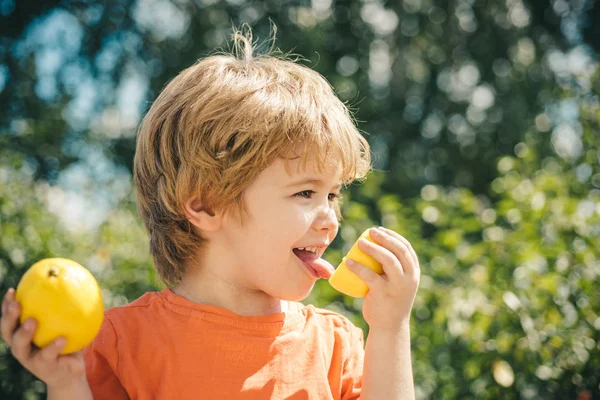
[
  {"x": 29, "y": 325},
  {"x": 60, "y": 342},
  {"x": 350, "y": 263},
  {"x": 13, "y": 308}
]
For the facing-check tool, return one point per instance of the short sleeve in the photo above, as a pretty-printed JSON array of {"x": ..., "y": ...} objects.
[
  {"x": 101, "y": 359},
  {"x": 352, "y": 371}
]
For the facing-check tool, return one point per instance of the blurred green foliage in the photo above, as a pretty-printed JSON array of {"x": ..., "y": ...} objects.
[{"x": 483, "y": 117}]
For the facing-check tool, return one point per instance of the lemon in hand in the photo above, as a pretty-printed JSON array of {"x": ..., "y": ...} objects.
[
  {"x": 347, "y": 281},
  {"x": 65, "y": 300}
]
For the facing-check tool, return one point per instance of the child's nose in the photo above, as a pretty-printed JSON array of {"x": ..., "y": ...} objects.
[{"x": 326, "y": 218}]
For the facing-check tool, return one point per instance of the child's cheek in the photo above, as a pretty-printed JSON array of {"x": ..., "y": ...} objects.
[{"x": 334, "y": 233}]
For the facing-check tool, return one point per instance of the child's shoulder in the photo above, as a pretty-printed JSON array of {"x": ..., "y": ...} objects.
[
  {"x": 330, "y": 317},
  {"x": 145, "y": 305},
  {"x": 145, "y": 300}
]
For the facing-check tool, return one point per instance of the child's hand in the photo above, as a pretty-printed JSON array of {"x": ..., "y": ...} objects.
[
  {"x": 391, "y": 295},
  {"x": 58, "y": 372}
]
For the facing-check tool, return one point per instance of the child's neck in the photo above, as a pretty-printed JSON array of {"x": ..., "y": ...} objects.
[{"x": 218, "y": 291}]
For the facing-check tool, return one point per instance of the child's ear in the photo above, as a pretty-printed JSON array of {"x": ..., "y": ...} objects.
[{"x": 201, "y": 216}]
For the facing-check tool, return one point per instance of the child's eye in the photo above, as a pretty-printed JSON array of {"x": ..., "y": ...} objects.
[
  {"x": 334, "y": 196},
  {"x": 305, "y": 193}
]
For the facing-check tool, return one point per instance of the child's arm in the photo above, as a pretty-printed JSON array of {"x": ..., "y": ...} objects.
[
  {"x": 64, "y": 375},
  {"x": 81, "y": 391},
  {"x": 387, "y": 371}
]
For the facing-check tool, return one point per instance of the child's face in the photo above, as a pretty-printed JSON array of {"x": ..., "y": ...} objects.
[{"x": 285, "y": 211}]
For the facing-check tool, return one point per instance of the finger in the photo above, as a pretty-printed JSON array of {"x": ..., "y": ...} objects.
[
  {"x": 9, "y": 321},
  {"x": 390, "y": 263},
  {"x": 21, "y": 340},
  {"x": 8, "y": 297},
  {"x": 397, "y": 247},
  {"x": 403, "y": 240},
  {"x": 50, "y": 353},
  {"x": 371, "y": 278}
]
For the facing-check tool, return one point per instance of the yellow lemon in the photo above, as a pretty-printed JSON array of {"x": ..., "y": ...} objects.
[
  {"x": 65, "y": 300},
  {"x": 347, "y": 281}
]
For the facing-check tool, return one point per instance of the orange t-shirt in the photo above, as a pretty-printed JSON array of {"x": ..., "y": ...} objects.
[{"x": 162, "y": 346}]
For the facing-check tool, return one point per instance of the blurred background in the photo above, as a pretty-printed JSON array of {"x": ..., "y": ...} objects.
[{"x": 483, "y": 117}]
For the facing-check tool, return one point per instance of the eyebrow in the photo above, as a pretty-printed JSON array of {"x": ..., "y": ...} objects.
[{"x": 312, "y": 181}]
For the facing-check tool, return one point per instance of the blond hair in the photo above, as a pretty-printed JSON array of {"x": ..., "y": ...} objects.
[{"x": 217, "y": 125}]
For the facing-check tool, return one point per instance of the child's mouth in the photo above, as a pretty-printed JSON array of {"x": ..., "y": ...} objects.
[{"x": 319, "y": 267}]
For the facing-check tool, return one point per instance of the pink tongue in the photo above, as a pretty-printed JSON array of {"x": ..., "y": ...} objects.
[
  {"x": 306, "y": 256},
  {"x": 321, "y": 267}
]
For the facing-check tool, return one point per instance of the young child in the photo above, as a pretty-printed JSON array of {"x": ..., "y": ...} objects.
[{"x": 238, "y": 167}]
